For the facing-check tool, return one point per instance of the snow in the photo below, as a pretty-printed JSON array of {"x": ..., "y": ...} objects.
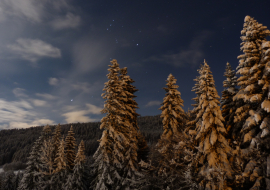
[
  {"x": 265, "y": 132},
  {"x": 266, "y": 105},
  {"x": 266, "y": 45}
]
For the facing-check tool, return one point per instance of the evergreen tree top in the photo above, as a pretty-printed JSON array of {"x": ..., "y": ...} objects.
[
  {"x": 46, "y": 129},
  {"x": 172, "y": 112},
  {"x": 80, "y": 157},
  {"x": 231, "y": 79}
]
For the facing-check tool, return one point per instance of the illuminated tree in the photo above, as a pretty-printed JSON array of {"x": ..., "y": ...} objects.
[
  {"x": 70, "y": 149},
  {"x": 115, "y": 158},
  {"x": 212, "y": 145}
]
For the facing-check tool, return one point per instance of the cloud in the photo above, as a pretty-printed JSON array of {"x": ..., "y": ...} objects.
[
  {"x": 192, "y": 55},
  {"x": 84, "y": 86},
  {"x": 17, "y": 111},
  {"x": 80, "y": 116},
  {"x": 19, "y": 92},
  {"x": 53, "y": 81},
  {"x": 38, "y": 122},
  {"x": 77, "y": 116},
  {"x": 34, "y": 50},
  {"x": 32, "y": 10},
  {"x": 93, "y": 109},
  {"x": 13, "y": 125},
  {"x": 46, "y": 96},
  {"x": 153, "y": 103},
  {"x": 39, "y": 103},
  {"x": 29, "y": 9},
  {"x": 69, "y": 21}
]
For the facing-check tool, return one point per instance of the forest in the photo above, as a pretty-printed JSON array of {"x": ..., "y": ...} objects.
[{"x": 221, "y": 144}]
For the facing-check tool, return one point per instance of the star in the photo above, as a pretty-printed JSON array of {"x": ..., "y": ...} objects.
[{"x": 71, "y": 100}]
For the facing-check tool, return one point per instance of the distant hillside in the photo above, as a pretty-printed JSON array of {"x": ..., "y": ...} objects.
[{"x": 15, "y": 144}]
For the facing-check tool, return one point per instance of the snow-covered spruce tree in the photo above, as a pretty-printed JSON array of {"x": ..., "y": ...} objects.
[
  {"x": 173, "y": 123},
  {"x": 251, "y": 70},
  {"x": 59, "y": 176},
  {"x": 131, "y": 106},
  {"x": 212, "y": 145},
  {"x": 254, "y": 88},
  {"x": 56, "y": 142},
  {"x": 111, "y": 161},
  {"x": 32, "y": 176},
  {"x": 228, "y": 106},
  {"x": 46, "y": 158},
  {"x": 78, "y": 179},
  {"x": 46, "y": 132},
  {"x": 137, "y": 148},
  {"x": 70, "y": 149},
  {"x": 197, "y": 89},
  {"x": 190, "y": 125}
]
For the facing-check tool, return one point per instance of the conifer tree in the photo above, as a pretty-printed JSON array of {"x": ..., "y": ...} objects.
[
  {"x": 116, "y": 153},
  {"x": 190, "y": 126},
  {"x": 78, "y": 179},
  {"x": 212, "y": 145},
  {"x": 46, "y": 132},
  {"x": 32, "y": 176},
  {"x": 104, "y": 168},
  {"x": 254, "y": 92},
  {"x": 56, "y": 141},
  {"x": 70, "y": 149},
  {"x": 173, "y": 122},
  {"x": 135, "y": 138},
  {"x": 131, "y": 115},
  {"x": 251, "y": 70},
  {"x": 228, "y": 106},
  {"x": 59, "y": 174},
  {"x": 172, "y": 112},
  {"x": 46, "y": 157},
  {"x": 197, "y": 91}
]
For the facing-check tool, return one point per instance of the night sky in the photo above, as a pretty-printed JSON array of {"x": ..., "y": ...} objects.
[{"x": 54, "y": 54}]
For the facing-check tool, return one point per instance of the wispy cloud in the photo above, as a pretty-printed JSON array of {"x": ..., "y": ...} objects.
[
  {"x": 32, "y": 10},
  {"x": 34, "y": 49},
  {"x": 53, "y": 81},
  {"x": 39, "y": 103},
  {"x": 153, "y": 103},
  {"x": 16, "y": 111},
  {"x": 38, "y": 122},
  {"x": 80, "y": 116},
  {"x": 29, "y": 9},
  {"x": 19, "y": 92},
  {"x": 46, "y": 96},
  {"x": 68, "y": 21},
  {"x": 192, "y": 55}
]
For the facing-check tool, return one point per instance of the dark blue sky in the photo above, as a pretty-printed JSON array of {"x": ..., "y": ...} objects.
[{"x": 54, "y": 54}]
